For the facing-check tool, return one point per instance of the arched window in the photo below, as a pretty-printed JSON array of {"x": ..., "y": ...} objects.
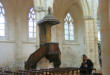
[
  {"x": 32, "y": 24},
  {"x": 69, "y": 27},
  {"x": 2, "y": 21}
]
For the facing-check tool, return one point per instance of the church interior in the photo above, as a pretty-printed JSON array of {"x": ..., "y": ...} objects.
[{"x": 45, "y": 34}]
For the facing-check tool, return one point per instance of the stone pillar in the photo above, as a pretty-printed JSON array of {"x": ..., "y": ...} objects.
[
  {"x": 92, "y": 41},
  {"x": 19, "y": 45},
  {"x": 105, "y": 34}
]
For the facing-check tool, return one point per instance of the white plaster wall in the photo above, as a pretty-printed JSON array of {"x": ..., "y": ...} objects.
[
  {"x": 7, "y": 54},
  {"x": 7, "y": 46},
  {"x": 71, "y": 51},
  {"x": 17, "y": 26},
  {"x": 15, "y": 50},
  {"x": 28, "y": 48}
]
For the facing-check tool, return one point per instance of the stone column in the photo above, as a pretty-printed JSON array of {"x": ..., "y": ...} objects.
[
  {"x": 19, "y": 45},
  {"x": 92, "y": 41},
  {"x": 105, "y": 34}
]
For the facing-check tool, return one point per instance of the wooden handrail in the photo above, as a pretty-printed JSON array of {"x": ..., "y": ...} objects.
[{"x": 51, "y": 71}]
